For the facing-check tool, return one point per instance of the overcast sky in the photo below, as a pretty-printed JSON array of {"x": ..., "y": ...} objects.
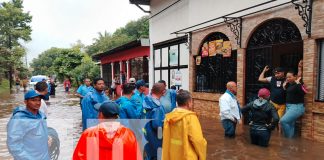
[{"x": 60, "y": 23}]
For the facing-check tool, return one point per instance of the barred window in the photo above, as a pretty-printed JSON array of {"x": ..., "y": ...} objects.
[
  {"x": 320, "y": 84},
  {"x": 217, "y": 66}
]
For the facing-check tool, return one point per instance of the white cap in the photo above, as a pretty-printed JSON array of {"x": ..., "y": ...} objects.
[{"x": 132, "y": 80}]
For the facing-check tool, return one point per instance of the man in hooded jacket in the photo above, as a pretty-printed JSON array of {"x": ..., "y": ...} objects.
[
  {"x": 89, "y": 113},
  {"x": 153, "y": 129},
  {"x": 27, "y": 135},
  {"x": 108, "y": 140},
  {"x": 182, "y": 134},
  {"x": 263, "y": 118}
]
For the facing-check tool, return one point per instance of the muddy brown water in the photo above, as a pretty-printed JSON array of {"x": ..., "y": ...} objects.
[{"x": 65, "y": 117}]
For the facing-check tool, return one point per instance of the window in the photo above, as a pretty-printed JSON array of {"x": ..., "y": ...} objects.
[
  {"x": 171, "y": 57},
  {"x": 215, "y": 64},
  {"x": 320, "y": 84}
]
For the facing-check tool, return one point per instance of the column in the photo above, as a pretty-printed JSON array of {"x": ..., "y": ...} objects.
[
  {"x": 127, "y": 70},
  {"x": 112, "y": 71},
  {"x": 101, "y": 71},
  {"x": 121, "y": 71}
]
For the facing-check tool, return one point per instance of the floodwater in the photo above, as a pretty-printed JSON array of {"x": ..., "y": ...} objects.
[{"x": 65, "y": 118}]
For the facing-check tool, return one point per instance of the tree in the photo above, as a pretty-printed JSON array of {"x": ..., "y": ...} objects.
[
  {"x": 132, "y": 31},
  {"x": 87, "y": 69},
  {"x": 14, "y": 26},
  {"x": 43, "y": 65}
]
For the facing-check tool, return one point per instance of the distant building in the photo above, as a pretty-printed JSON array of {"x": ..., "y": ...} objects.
[{"x": 125, "y": 61}]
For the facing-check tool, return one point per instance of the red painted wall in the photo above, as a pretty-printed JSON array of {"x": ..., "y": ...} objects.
[{"x": 126, "y": 55}]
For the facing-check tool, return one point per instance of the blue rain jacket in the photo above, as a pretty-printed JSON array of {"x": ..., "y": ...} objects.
[
  {"x": 88, "y": 111},
  {"x": 138, "y": 99},
  {"x": 169, "y": 101},
  {"x": 27, "y": 135},
  {"x": 84, "y": 90},
  {"x": 155, "y": 111},
  {"x": 128, "y": 109}
]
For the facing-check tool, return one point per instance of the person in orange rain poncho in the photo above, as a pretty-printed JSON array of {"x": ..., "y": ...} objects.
[
  {"x": 186, "y": 141},
  {"x": 108, "y": 140}
]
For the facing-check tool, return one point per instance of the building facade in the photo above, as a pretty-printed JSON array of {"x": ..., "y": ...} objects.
[
  {"x": 127, "y": 61},
  {"x": 235, "y": 44}
]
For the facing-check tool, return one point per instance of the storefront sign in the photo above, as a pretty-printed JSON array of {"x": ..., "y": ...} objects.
[
  {"x": 198, "y": 60},
  {"x": 226, "y": 49},
  {"x": 212, "y": 48},
  {"x": 204, "y": 50}
]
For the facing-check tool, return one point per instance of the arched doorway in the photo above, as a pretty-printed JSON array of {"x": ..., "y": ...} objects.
[
  {"x": 276, "y": 43},
  {"x": 215, "y": 68}
]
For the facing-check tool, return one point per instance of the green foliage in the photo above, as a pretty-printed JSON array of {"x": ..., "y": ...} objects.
[
  {"x": 57, "y": 61},
  {"x": 132, "y": 31},
  {"x": 43, "y": 65},
  {"x": 14, "y": 26},
  {"x": 67, "y": 61},
  {"x": 87, "y": 69}
]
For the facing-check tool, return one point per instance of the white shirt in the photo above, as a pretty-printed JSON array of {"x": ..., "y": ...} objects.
[
  {"x": 229, "y": 108},
  {"x": 43, "y": 108}
]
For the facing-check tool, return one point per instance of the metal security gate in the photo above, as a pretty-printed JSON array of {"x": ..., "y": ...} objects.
[{"x": 276, "y": 42}]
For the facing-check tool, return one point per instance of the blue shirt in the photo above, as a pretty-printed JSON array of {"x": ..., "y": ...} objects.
[
  {"x": 27, "y": 135},
  {"x": 83, "y": 90}
]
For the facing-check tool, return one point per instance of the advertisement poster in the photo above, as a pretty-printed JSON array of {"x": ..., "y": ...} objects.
[
  {"x": 219, "y": 46},
  {"x": 212, "y": 48},
  {"x": 227, "y": 49},
  {"x": 204, "y": 50},
  {"x": 198, "y": 60},
  {"x": 178, "y": 78},
  {"x": 173, "y": 55}
]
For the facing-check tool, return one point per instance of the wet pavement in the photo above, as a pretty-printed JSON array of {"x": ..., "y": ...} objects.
[{"x": 65, "y": 118}]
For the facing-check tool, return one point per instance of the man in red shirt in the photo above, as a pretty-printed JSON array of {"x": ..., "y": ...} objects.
[{"x": 109, "y": 140}]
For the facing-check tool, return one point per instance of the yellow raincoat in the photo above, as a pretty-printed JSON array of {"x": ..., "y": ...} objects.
[{"x": 182, "y": 136}]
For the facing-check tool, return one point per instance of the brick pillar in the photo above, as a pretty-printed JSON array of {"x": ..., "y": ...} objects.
[
  {"x": 240, "y": 75},
  {"x": 309, "y": 62}
]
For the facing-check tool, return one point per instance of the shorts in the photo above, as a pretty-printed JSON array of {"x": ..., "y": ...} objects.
[{"x": 281, "y": 108}]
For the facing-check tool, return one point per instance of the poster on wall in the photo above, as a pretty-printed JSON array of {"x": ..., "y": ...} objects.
[
  {"x": 227, "y": 49},
  {"x": 204, "y": 50},
  {"x": 219, "y": 46},
  {"x": 173, "y": 56},
  {"x": 178, "y": 78},
  {"x": 212, "y": 48},
  {"x": 198, "y": 60}
]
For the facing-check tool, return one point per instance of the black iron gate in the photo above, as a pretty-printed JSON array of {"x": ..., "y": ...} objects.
[
  {"x": 256, "y": 60},
  {"x": 275, "y": 43}
]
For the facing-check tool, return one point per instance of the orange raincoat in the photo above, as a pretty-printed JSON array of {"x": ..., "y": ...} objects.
[
  {"x": 182, "y": 136},
  {"x": 107, "y": 142}
]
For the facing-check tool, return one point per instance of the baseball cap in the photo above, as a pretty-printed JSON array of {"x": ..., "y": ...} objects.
[
  {"x": 279, "y": 69},
  {"x": 132, "y": 80},
  {"x": 108, "y": 108},
  {"x": 31, "y": 94},
  {"x": 264, "y": 93}
]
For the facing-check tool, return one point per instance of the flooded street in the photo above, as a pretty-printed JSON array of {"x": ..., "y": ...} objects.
[{"x": 65, "y": 118}]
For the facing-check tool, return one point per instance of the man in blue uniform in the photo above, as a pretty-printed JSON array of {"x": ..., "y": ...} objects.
[
  {"x": 97, "y": 96},
  {"x": 84, "y": 89}
]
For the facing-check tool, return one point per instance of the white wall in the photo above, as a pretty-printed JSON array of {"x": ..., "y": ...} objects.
[{"x": 191, "y": 12}]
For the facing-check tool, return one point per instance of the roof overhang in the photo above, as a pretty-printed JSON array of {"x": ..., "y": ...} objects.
[
  {"x": 143, "y": 42},
  {"x": 140, "y": 2}
]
